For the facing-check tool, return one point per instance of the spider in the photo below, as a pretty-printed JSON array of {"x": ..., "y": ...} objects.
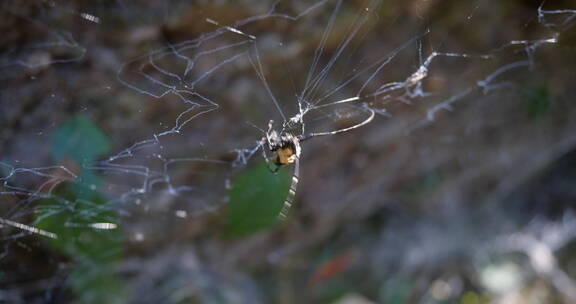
[
  {"x": 286, "y": 149},
  {"x": 284, "y": 144}
]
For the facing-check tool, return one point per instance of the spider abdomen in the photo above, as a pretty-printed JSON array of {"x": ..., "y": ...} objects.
[{"x": 287, "y": 149}]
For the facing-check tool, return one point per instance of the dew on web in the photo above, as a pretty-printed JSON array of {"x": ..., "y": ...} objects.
[{"x": 128, "y": 130}]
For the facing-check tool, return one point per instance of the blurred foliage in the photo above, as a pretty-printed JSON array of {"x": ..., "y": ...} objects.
[
  {"x": 256, "y": 198},
  {"x": 396, "y": 290},
  {"x": 79, "y": 139},
  {"x": 539, "y": 99},
  {"x": 95, "y": 252}
]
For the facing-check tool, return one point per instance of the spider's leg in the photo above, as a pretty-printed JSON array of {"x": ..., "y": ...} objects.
[
  {"x": 292, "y": 192},
  {"x": 367, "y": 120},
  {"x": 263, "y": 147}
]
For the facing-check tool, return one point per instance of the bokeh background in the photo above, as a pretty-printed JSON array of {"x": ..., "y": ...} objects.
[{"x": 473, "y": 204}]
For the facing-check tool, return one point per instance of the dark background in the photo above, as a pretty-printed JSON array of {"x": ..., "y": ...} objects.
[{"x": 473, "y": 206}]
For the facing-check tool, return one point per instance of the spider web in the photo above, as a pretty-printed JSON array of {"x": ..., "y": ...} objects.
[{"x": 138, "y": 135}]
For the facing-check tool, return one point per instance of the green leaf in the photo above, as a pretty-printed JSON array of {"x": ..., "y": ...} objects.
[
  {"x": 74, "y": 207},
  {"x": 256, "y": 198},
  {"x": 538, "y": 103},
  {"x": 396, "y": 291},
  {"x": 79, "y": 139},
  {"x": 70, "y": 218},
  {"x": 98, "y": 283},
  {"x": 95, "y": 252}
]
